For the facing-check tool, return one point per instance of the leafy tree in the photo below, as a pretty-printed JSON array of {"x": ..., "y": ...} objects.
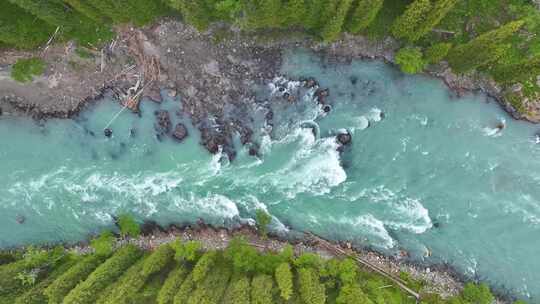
[
  {"x": 410, "y": 60},
  {"x": 261, "y": 289},
  {"x": 351, "y": 293},
  {"x": 171, "y": 285},
  {"x": 284, "y": 280},
  {"x": 437, "y": 52},
  {"x": 238, "y": 290},
  {"x": 484, "y": 49},
  {"x": 363, "y": 14},
  {"x": 406, "y": 25},
  {"x": 263, "y": 219},
  {"x": 62, "y": 285},
  {"x": 103, "y": 245},
  {"x": 128, "y": 226},
  {"x": 25, "y": 69},
  {"x": 189, "y": 251},
  {"x": 311, "y": 289},
  {"x": 333, "y": 27},
  {"x": 103, "y": 276},
  {"x": 203, "y": 266}
]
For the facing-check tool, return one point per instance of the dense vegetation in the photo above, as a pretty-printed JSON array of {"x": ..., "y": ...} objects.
[
  {"x": 182, "y": 273},
  {"x": 497, "y": 37}
]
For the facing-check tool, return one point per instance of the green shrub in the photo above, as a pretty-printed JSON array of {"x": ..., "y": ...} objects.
[
  {"x": 187, "y": 287},
  {"x": 406, "y": 25},
  {"x": 128, "y": 226},
  {"x": 25, "y": 69},
  {"x": 308, "y": 260},
  {"x": 243, "y": 257},
  {"x": 103, "y": 276},
  {"x": 37, "y": 295},
  {"x": 261, "y": 289},
  {"x": 437, "y": 52},
  {"x": 484, "y": 49},
  {"x": 172, "y": 284},
  {"x": 189, "y": 251},
  {"x": 284, "y": 280},
  {"x": 351, "y": 293},
  {"x": 363, "y": 15},
  {"x": 8, "y": 283},
  {"x": 311, "y": 289},
  {"x": 103, "y": 245},
  {"x": 263, "y": 220},
  {"x": 158, "y": 260},
  {"x": 477, "y": 294},
  {"x": 410, "y": 60},
  {"x": 203, "y": 266},
  {"x": 334, "y": 25},
  {"x": 238, "y": 290},
  {"x": 7, "y": 257},
  {"x": 62, "y": 285}
]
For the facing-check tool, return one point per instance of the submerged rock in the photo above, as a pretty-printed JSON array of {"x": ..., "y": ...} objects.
[
  {"x": 180, "y": 132},
  {"x": 20, "y": 219}
]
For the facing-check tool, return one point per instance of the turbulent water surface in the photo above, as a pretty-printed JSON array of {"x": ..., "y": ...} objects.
[{"x": 432, "y": 175}]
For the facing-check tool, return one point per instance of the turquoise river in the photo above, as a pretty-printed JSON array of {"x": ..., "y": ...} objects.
[{"x": 432, "y": 175}]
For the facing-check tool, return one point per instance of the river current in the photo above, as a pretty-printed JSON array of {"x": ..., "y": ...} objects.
[{"x": 426, "y": 172}]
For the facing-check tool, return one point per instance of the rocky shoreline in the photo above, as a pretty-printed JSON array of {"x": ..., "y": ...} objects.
[{"x": 212, "y": 72}]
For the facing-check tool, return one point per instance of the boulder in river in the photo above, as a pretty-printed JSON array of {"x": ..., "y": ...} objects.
[
  {"x": 321, "y": 95},
  {"x": 153, "y": 94},
  {"x": 163, "y": 124},
  {"x": 180, "y": 132},
  {"x": 311, "y": 82},
  {"x": 344, "y": 138}
]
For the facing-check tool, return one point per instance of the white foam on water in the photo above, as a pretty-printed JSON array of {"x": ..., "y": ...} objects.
[
  {"x": 375, "y": 114},
  {"x": 214, "y": 206},
  {"x": 315, "y": 167},
  {"x": 362, "y": 123},
  {"x": 406, "y": 213},
  {"x": 371, "y": 226}
]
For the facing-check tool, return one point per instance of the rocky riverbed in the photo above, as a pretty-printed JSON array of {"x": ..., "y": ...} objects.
[{"x": 213, "y": 72}]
